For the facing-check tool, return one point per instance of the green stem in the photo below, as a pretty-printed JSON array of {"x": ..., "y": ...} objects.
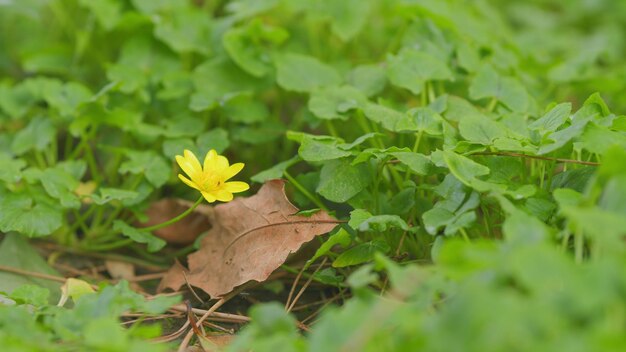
[
  {"x": 331, "y": 128},
  {"x": 464, "y": 234},
  {"x": 115, "y": 213},
  {"x": 41, "y": 162},
  {"x": 174, "y": 220},
  {"x": 304, "y": 191},
  {"x": 418, "y": 139},
  {"x": 431, "y": 92},
  {"x": 579, "y": 245},
  {"x": 92, "y": 163},
  {"x": 79, "y": 220},
  {"x": 492, "y": 104},
  {"x": 109, "y": 246}
]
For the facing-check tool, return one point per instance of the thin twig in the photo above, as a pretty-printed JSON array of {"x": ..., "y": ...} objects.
[
  {"x": 539, "y": 157},
  {"x": 193, "y": 292},
  {"x": 303, "y": 288},
  {"x": 18, "y": 271},
  {"x": 210, "y": 311},
  {"x": 293, "y": 288},
  {"x": 323, "y": 301},
  {"x": 215, "y": 315},
  {"x": 317, "y": 311}
]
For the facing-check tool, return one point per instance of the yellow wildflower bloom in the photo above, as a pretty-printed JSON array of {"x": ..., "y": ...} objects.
[{"x": 211, "y": 179}]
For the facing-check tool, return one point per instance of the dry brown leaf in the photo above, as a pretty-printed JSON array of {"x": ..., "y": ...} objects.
[
  {"x": 120, "y": 270},
  {"x": 250, "y": 238},
  {"x": 182, "y": 232}
]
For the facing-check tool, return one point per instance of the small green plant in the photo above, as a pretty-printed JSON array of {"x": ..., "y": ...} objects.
[{"x": 478, "y": 181}]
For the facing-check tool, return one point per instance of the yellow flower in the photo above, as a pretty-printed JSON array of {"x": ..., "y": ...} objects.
[{"x": 211, "y": 179}]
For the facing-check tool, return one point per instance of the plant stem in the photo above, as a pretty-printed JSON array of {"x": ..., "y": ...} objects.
[
  {"x": 492, "y": 104},
  {"x": 176, "y": 219},
  {"x": 418, "y": 139},
  {"x": 109, "y": 246},
  {"x": 464, "y": 234},
  {"x": 579, "y": 245},
  {"x": 331, "y": 128},
  {"x": 304, "y": 191}
]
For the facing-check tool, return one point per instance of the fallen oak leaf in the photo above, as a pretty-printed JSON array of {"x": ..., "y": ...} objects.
[{"x": 249, "y": 239}]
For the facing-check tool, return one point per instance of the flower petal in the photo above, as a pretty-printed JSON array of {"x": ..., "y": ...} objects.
[
  {"x": 222, "y": 195},
  {"x": 215, "y": 163},
  {"x": 235, "y": 186},
  {"x": 190, "y": 164},
  {"x": 232, "y": 171},
  {"x": 209, "y": 196},
  {"x": 188, "y": 182}
]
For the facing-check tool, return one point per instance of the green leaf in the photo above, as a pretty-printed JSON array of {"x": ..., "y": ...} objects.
[
  {"x": 61, "y": 185},
  {"x": 369, "y": 79},
  {"x": 19, "y": 213},
  {"x": 553, "y": 119},
  {"x": 560, "y": 138},
  {"x": 17, "y": 100},
  {"x": 265, "y": 132},
  {"x": 66, "y": 98},
  {"x": 598, "y": 139},
  {"x": 246, "y": 109},
  {"x": 154, "y": 243},
  {"x": 105, "y": 333},
  {"x": 437, "y": 218},
  {"x": 488, "y": 84},
  {"x": 361, "y": 253},
  {"x": 347, "y": 17},
  {"x": 340, "y": 238},
  {"x": 427, "y": 120},
  {"x": 36, "y": 136},
  {"x": 313, "y": 149},
  {"x": 302, "y": 73},
  {"x": 481, "y": 129},
  {"x": 381, "y": 223},
  {"x": 335, "y": 102},
  {"x": 176, "y": 146},
  {"x": 15, "y": 252},
  {"x": 149, "y": 163},
  {"x": 418, "y": 163},
  {"x": 575, "y": 179},
  {"x": 250, "y": 46},
  {"x": 108, "y": 12},
  {"x": 185, "y": 30},
  {"x": 412, "y": 68},
  {"x": 468, "y": 171},
  {"x": 216, "y": 138},
  {"x": 11, "y": 169},
  {"x": 111, "y": 194},
  {"x": 31, "y": 294},
  {"x": 357, "y": 217},
  {"x": 276, "y": 171},
  {"x": 389, "y": 118},
  {"x": 219, "y": 79},
  {"x": 340, "y": 180}
]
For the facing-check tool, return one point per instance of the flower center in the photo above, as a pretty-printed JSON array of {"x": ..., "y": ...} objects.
[{"x": 212, "y": 182}]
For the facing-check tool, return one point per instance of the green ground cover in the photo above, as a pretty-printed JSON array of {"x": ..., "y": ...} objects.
[{"x": 473, "y": 151}]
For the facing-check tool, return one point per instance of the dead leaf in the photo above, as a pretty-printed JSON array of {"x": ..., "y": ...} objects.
[
  {"x": 250, "y": 238},
  {"x": 215, "y": 343},
  {"x": 182, "y": 232},
  {"x": 120, "y": 270}
]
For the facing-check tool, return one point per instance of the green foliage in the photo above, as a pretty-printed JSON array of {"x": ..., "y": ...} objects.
[
  {"x": 461, "y": 135},
  {"x": 29, "y": 323}
]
